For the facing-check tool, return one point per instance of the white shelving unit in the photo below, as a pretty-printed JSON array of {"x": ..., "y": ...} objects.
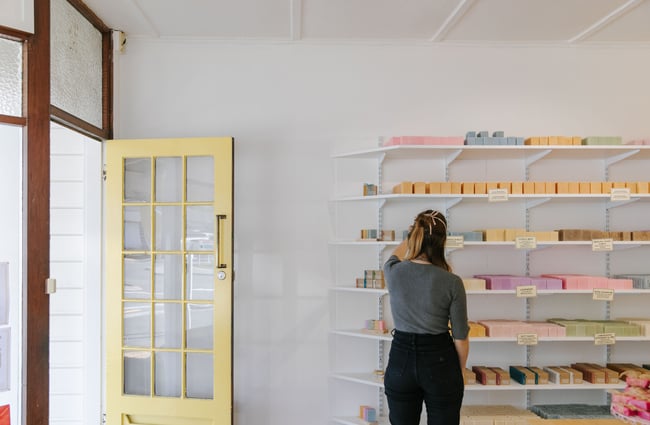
[{"x": 354, "y": 354}]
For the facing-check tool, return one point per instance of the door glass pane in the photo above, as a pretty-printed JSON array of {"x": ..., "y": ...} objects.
[
  {"x": 169, "y": 228},
  {"x": 200, "y": 372},
  {"x": 168, "y": 325},
  {"x": 137, "y": 228},
  {"x": 137, "y": 180},
  {"x": 200, "y": 228},
  {"x": 137, "y": 324},
  {"x": 169, "y": 277},
  {"x": 199, "y": 325},
  {"x": 137, "y": 372},
  {"x": 199, "y": 276},
  {"x": 200, "y": 179},
  {"x": 137, "y": 277},
  {"x": 169, "y": 179},
  {"x": 168, "y": 374}
]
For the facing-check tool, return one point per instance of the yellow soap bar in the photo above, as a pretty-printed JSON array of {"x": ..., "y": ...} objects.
[
  {"x": 511, "y": 234},
  {"x": 552, "y": 140},
  {"x": 543, "y": 140},
  {"x": 577, "y": 140},
  {"x": 420, "y": 188},
  {"x": 480, "y": 188},
  {"x": 434, "y": 187},
  {"x": 491, "y": 186},
  {"x": 540, "y": 187},
  {"x": 632, "y": 186},
  {"x": 467, "y": 188},
  {"x": 574, "y": 187},
  {"x": 516, "y": 188},
  {"x": 529, "y": 187},
  {"x": 445, "y": 187},
  {"x": 606, "y": 187},
  {"x": 456, "y": 187},
  {"x": 505, "y": 185},
  {"x": 618, "y": 185},
  {"x": 549, "y": 187},
  {"x": 494, "y": 235},
  {"x": 562, "y": 187},
  {"x": 642, "y": 187},
  {"x": 403, "y": 187},
  {"x": 584, "y": 188},
  {"x": 595, "y": 187},
  {"x": 532, "y": 141}
]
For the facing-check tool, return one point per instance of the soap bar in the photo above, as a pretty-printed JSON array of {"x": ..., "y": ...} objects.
[
  {"x": 503, "y": 377},
  {"x": 403, "y": 187},
  {"x": 467, "y": 188},
  {"x": 485, "y": 375},
  {"x": 435, "y": 187},
  {"x": 522, "y": 375},
  {"x": 558, "y": 375},
  {"x": 541, "y": 377},
  {"x": 590, "y": 374},
  {"x": 420, "y": 188},
  {"x": 469, "y": 377}
]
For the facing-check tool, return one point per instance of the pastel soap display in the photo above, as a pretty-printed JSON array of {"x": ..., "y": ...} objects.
[{"x": 424, "y": 140}]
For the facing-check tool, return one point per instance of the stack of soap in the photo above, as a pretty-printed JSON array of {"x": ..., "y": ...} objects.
[
  {"x": 375, "y": 326},
  {"x": 639, "y": 281},
  {"x": 495, "y": 415},
  {"x": 368, "y": 414},
  {"x": 638, "y": 142},
  {"x": 571, "y": 411},
  {"x": 554, "y": 140},
  {"x": 641, "y": 235},
  {"x": 611, "y": 376},
  {"x": 505, "y": 282},
  {"x": 643, "y": 324},
  {"x": 372, "y": 279},
  {"x": 476, "y": 330},
  {"x": 578, "y": 327},
  {"x": 579, "y": 281},
  {"x": 602, "y": 140},
  {"x": 497, "y": 138},
  {"x": 511, "y": 328},
  {"x": 424, "y": 140},
  {"x": 474, "y": 284},
  {"x": 369, "y": 189}
]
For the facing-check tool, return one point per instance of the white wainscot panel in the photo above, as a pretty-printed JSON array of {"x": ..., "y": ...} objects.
[
  {"x": 66, "y": 221},
  {"x": 66, "y": 327},
  {"x": 66, "y": 354},
  {"x": 66, "y": 248},
  {"x": 67, "y": 301},
  {"x": 67, "y": 195},
  {"x": 69, "y": 167}
]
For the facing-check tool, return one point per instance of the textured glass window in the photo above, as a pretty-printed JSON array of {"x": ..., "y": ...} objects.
[
  {"x": 11, "y": 73},
  {"x": 76, "y": 64}
]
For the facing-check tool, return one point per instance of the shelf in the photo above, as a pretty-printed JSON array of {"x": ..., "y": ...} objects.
[
  {"x": 501, "y": 291},
  {"x": 531, "y": 200},
  {"x": 387, "y": 337},
  {"x": 487, "y": 152},
  {"x": 370, "y": 380},
  {"x": 540, "y": 244},
  {"x": 356, "y": 421}
]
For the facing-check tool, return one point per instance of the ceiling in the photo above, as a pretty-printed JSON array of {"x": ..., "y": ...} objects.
[{"x": 566, "y": 22}]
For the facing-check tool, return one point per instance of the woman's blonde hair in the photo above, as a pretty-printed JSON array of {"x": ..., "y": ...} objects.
[{"x": 427, "y": 239}]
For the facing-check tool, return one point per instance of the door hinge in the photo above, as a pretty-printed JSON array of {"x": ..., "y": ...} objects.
[
  {"x": 50, "y": 286},
  {"x": 104, "y": 172}
]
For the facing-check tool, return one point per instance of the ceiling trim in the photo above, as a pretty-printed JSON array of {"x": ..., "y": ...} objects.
[
  {"x": 611, "y": 17},
  {"x": 463, "y": 7}
]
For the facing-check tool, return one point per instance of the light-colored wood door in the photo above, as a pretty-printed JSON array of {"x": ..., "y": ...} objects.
[{"x": 169, "y": 281}]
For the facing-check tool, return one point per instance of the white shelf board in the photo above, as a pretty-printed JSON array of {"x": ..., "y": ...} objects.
[
  {"x": 356, "y": 421},
  {"x": 371, "y": 380},
  {"x": 357, "y": 333},
  {"x": 487, "y": 152},
  {"x": 360, "y": 290},
  {"x": 540, "y": 244},
  {"x": 558, "y": 292}
]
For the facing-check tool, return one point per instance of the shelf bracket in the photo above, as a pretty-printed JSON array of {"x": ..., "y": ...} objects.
[
  {"x": 537, "y": 156},
  {"x": 453, "y": 155},
  {"x": 620, "y": 157},
  {"x": 536, "y": 202},
  {"x": 452, "y": 202},
  {"x": 611, "y": 205}
]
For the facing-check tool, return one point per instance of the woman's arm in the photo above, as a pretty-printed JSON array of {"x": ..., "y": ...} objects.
[{"x": 462, "y": 348}]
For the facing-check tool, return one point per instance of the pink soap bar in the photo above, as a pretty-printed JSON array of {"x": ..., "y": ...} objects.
[
  {"x": 620, "y": 284},
  {"x": 638, "y": 142},
  {"x": 597, "y": 282},
  {"x": 568, "y": 281},
  {"x": 552, "y": 283},
  {"x": 424, "y": 140}
]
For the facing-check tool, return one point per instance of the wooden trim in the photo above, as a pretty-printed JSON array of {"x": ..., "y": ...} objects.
[
  {"x": 11, "y": 120},
  {"x": 89, "y": 15},
  {"x": 36, "y": 351},
  {"x": 70, "y": 121},
  {"x": 107, "y": 84},
  {"x": 14, "y": 34}
]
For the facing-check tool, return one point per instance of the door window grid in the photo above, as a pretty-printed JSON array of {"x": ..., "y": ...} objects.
[{"x": 146, "y": 301}]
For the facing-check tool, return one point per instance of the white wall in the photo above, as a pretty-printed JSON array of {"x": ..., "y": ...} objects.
[
  {"x": 289, "y": 105},
  {"x": 11, "y": 246},
  {"x": 75, "y": 249}
]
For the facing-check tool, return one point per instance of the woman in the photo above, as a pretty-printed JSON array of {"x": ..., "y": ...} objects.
[{"x": 426, "y": 361}]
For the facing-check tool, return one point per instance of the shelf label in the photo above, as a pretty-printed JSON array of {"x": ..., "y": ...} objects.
[
  {"x": 455, "y": 242},
  {"x": 603, "y": 294},
  {"x": 526, "y": 242},
  {"x": 527, "y": 291},
  {"x": 527, "y": 339},
  {"x": 605, "y": 339},
  {"x": 602, "y": 244},
  {"x": 497, "y": 195},
  {"x": 620, "y": 194}
]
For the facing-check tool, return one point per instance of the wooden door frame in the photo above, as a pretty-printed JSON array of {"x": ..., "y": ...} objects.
[{"x": 36, "y": 115}]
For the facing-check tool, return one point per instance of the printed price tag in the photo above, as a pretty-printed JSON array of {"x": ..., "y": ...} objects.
[
  {"x": 620, "y": 194},
  {"x": 528, "y": 291},
  {"x": 527, "y": 339},
  {"x": 603, "y": 295},
  {"x": 526, "y": 242},
  {"x": 602, "y": 245},
  {"x": 605, "y": 339},
  {"x": 455, "y": 242},
  {"x": 497, "y": 195}
]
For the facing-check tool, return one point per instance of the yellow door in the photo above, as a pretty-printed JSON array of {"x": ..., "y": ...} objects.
[{"x": 169, "y": 281}]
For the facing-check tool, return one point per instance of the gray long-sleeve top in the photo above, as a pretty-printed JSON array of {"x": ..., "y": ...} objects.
[{"x": 425, "y": 298}]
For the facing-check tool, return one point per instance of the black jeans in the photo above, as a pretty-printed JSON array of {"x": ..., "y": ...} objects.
[{"x": 423, "y": 368}]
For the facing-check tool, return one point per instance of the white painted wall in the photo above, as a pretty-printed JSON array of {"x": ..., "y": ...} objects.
[
  {"x": 11, "y": 246},
  {"x": 289, "y": 105},
  {"x": 75, "y": 261}
]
